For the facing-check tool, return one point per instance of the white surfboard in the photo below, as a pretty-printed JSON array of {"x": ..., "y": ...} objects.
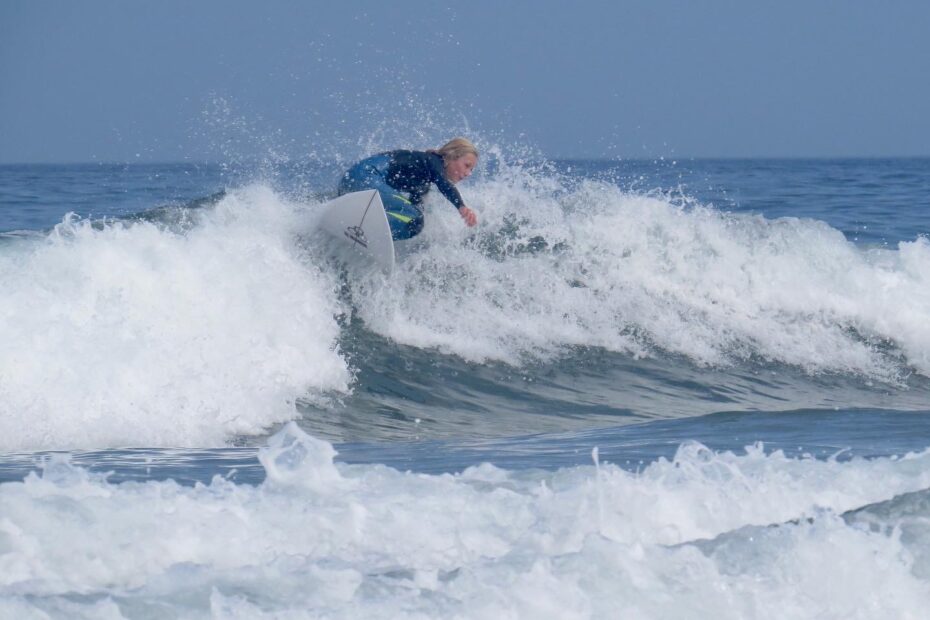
[{"x": 358, "y": 219}]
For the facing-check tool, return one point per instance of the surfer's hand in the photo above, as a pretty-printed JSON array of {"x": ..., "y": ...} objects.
[{"x": 468, "y": 215}]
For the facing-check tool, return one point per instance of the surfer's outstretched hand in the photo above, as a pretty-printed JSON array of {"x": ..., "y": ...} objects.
[{"x": 468, "y": 215}]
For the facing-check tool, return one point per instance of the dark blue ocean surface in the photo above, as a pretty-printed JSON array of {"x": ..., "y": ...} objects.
[{"x": 840, "y": 435}]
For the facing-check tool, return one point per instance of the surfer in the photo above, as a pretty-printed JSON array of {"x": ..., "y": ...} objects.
[{"x": 404, "y": 177}]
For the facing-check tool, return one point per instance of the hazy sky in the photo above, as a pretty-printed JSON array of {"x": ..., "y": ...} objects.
[{"x": 173, "y": 80}]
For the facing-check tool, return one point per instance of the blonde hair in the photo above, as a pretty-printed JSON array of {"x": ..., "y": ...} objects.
[{"x": 455, "y": 148}]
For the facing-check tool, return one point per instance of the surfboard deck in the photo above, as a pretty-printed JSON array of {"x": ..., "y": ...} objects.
[{"x": 358, "y": 220}]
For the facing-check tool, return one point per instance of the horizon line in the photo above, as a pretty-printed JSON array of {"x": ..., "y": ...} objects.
[{"x": 571, "y": 158}]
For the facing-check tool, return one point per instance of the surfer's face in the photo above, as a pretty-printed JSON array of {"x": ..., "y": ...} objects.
[{"x": 461, "y": 168}]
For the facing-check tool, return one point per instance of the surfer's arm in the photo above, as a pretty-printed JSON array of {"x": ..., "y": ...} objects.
[
  {"x": 448, "y": 190},
  {"x": 437, "y": 175}
]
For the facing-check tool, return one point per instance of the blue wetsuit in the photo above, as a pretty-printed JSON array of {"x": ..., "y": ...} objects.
[{"x": 402, "y": 178}]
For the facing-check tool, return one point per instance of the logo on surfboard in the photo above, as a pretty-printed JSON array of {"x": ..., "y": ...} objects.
[{"x": 356, "y": 234}]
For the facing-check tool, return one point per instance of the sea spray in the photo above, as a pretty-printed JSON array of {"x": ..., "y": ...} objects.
[{"x": 128, "y": 333}]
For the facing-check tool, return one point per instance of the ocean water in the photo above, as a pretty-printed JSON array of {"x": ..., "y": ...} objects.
[{"x": 638, "y": 389}]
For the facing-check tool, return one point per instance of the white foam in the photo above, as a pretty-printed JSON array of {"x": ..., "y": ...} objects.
[
  {"x": 318, "y": 539},
  {"x": 132, "y": 334},
  {"x": 635, "y": 273}
]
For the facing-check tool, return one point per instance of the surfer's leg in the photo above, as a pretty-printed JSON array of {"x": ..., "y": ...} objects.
[
  {"x": 359, "y": 178},
  {"x": 405, "y": 218}
]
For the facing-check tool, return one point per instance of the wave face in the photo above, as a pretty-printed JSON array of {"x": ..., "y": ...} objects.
[
  {"x": 612, "y": 304},
  {"x": 578, "y": 301}
]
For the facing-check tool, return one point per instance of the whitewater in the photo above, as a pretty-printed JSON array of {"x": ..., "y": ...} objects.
[{"x": 637, "y": 389}]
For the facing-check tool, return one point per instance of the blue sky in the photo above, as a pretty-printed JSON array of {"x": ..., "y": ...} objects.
[{"x": 169, "y": 80}]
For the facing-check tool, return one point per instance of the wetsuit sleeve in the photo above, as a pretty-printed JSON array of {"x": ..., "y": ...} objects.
[{"x": 446, "y": 188}]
